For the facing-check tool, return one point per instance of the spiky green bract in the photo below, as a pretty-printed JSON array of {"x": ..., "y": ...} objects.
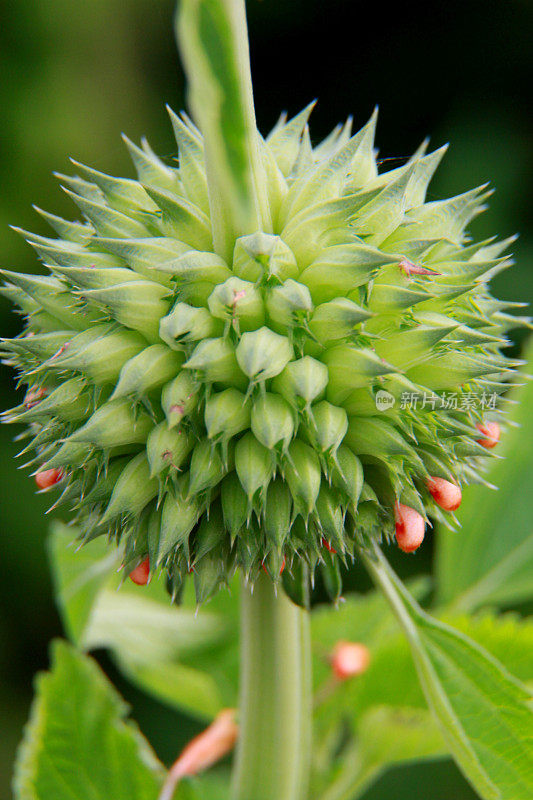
[{"x": 219, "y": 414}]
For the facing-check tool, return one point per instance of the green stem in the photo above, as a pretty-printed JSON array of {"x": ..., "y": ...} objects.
[
  {"x": 273, "y": 756},
  {"x": 213, "y": 39}
]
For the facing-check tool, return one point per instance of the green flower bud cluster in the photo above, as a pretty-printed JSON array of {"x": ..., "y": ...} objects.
[{"x": 215, "y": 415}]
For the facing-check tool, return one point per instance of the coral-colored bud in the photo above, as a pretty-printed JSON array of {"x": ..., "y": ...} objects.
[
  {"x": 349, "y": 659},
  {"x": 203, "y": 751},
  {"x": 141, "y": 574},
  {"x": 410, "y": 528},
  {"x": 48, "y": 478},
  {"x": 446, "y": 494},
  {"x": 491, "y": 434}
]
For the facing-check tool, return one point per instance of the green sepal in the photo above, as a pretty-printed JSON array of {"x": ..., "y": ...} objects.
[
  {"x": 102, "y": 488},
  {"x": 182, "y": 219},
  {"x": 347, "y": 473},
  {"x": 284, "y": 139},
  {"x": 71, "y": 231},
  {"x": 150, "y": 169},
  {"x": 179, "y": 398},
  {"x": 391, "y": 298},
  {"x": 272, "y": 421},
  {"x": 296, "y": 583},
  {"x": 69, "y": 402},
  {"x": 146, "y": 255},
  {"x": 52, "y": 296},
  {"x": 186, "y": 324},
  {"x": 331, "y": 517},
  {"x": 114, "y": 424},
  {"x": 302, "y": 381},
  {"x": 451, "y": 370},
  {"x": 209, "y": 536},
  {"x": 375, "y": 437},
  {"x": 94, "y": 277},
  {"x": 107, "y": 221},
  {"x": 239, "y": 303},
  {"x": 443, "y": 218},
  {"x": 206, "y": 469},
  {"x": 178, "y": 519},
  {"x": 288, "y": 305},
  {"x": 191, "y": 161},
  {"x": 263, "y": 354},
  {"x": 167, "y": 448},
  {"x": 327, "y": 426},
  {"x": 227, "y": 413},
  {"x": 68, "y": 454},
  {"x": 234, "y": 505},
  {"x": 277, "y": 513},
  {"x": 209, "y": 574},
  {"x": 336, "y": 319},
  {"x": 147, "y": 371},
  {"x": 99, "y": 353},
  {"x": 122, "y": 193},
  {"x": 215, "y": 361},
  {"x": 330, "y": 573},
  {"x": 136, "y": 304},
  {"x": 133, "y": 490},
  {"x": 303, "y": 474},
  {"x": 196, "y": 266},
  {"x": 350, "y": 367},
  {"x": 341, "y": 268},
  {"x": 263, "y": 258},
  {"x": 253, "y": 465},
  {"x": 39, "y": 347},
  {"x": 406, "y": 348}
]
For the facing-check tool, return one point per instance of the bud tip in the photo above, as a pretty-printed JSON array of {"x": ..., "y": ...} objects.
[
  {"x": 410, "y": 528},
  {"x": 349, "y": 659},
  {"x": 48, "y": 478},
  {"x": 141, "y": 574},
  {"x": 491, "y": 434},
  {"x": 445, "y": 493}
]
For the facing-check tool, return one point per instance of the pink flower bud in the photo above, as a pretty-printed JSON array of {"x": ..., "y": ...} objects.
[
  {"x": 48, "y": 478},
  {"x": 446, "y": 494},
  {"x": 202, "y": 752},
  {"x": 410, "y": 528},
  {"x": 408, "y": 268},
  {"x": 349, "y": 659},
  {"x": 491, "y": 434},
  {"x": 141, "y": 574}
]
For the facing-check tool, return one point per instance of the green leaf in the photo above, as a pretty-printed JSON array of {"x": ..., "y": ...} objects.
[
  {"x": 182, "y": 657},
  {"x": 481, "y": 708},
  {"x": 386, "y": 692},
  {"x": 213, "y": 42},
  {"x": 78, "y": 575},
  {"x": 78, "y": 743},
  {"x": 211, "y": 786},
  {"x": 491, "y": 559},
  {"x": 392, "y": 735},
  {"x": 507, "y": 637},
  {"x": 385, "y": 736}
]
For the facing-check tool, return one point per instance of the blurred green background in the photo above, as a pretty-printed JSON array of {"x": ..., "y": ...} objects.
[{"x": 75, "y": 74}]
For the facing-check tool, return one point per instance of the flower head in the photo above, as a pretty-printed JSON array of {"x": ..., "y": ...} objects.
[{"x": 215, "y": 414}]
